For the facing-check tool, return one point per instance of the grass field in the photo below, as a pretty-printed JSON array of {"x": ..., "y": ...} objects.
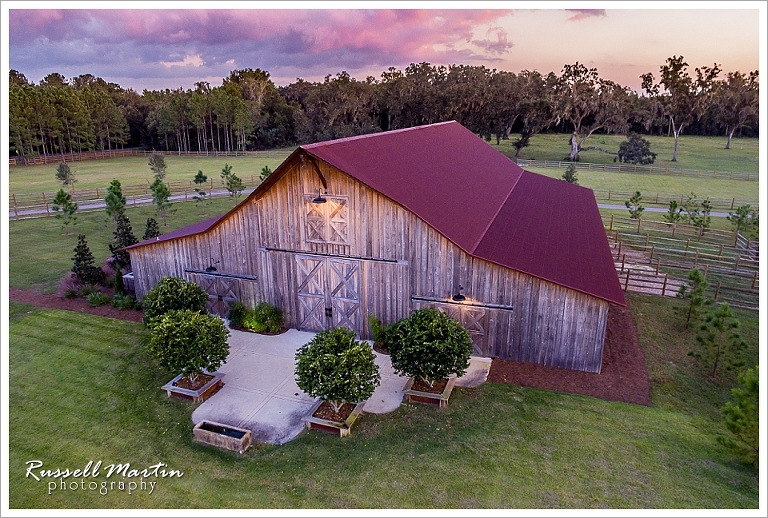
[
  {"x": 91, "y": 174},
  {"x": 39, "y": 255},
  {"x": 693, "y": 152},
  {"x": 82, "y": 388}
]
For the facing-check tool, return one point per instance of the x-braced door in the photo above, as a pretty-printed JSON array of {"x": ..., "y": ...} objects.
[
  {"x": 221, "y": 292},
  {"x": 328, "y": 293}
]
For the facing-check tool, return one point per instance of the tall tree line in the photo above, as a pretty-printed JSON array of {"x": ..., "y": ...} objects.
[{"x": 249, "y": 112}]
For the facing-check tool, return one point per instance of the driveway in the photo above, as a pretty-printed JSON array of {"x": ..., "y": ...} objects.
[{"x": 261, "y": 395}]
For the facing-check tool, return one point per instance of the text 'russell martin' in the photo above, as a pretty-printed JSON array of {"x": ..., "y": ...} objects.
[{"x": 85, "y": 479}]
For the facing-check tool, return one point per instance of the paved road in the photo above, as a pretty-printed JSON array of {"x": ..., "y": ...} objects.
[{"x": 97, "y": 204}]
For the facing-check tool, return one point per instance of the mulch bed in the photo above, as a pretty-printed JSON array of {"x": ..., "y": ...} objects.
[
  {"x": 623, "y": 376},
  {"x": 437, "y": 387},
  {"x": 79, "y": 305},
  {"x": 325, "y": 411},
  {"x": 185, "y": 383}
]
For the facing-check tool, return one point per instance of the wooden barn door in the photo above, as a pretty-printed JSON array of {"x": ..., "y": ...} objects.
[
  {"x": 472, "y": 318},
  {"x": 221, "y": 292},
  {"x": 328, "y": 293}
]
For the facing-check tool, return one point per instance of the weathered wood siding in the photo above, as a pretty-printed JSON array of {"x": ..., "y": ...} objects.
[{"x": 400, "y": 264}]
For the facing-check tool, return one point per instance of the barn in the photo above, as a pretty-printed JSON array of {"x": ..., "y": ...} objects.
[{"x": 383, "y": 224}]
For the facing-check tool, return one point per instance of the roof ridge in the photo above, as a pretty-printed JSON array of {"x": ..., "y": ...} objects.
[
  {"x": 496, "y": 214},
  {"x": 371, "y": 135}
]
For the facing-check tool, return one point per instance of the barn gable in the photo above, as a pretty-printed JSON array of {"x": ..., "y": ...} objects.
[{"x": 387, "y": 246}]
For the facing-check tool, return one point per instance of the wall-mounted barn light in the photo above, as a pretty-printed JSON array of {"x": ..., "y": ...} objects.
[
  {"x": 319, "y": 199},
  {"x": 212, "y": 268},
  {"x": 459, "y": 297}
]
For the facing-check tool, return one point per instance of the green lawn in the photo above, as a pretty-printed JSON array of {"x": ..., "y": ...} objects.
[
  {"x": 82, "y": 388},
  {"x": 40, "y": 255},
  {"x": 693, "y": 152},
  {"x": 649, "y": 185},
  {"x": 92, "y": 174}
]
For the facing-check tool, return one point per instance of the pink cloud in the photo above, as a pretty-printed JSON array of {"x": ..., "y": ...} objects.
[
  {"x": 583, "y": 14},
  {"x": 499, "y": 46}
]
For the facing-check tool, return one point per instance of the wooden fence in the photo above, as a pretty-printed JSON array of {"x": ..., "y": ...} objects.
[
  {"x": 640, "y": 169},
  {"x": 663, "y": 200},
  {"x": 653, "y": 257},
  {"x": 100, "y": 155}
]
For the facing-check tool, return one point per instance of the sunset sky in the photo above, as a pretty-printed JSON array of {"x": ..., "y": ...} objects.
[{"x": 140, "y": 47}]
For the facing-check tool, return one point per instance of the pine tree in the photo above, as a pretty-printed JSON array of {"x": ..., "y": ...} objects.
[
  {"x": 161, "y": 195},
  {"x": 201, "y": 196},
  {"x": 673, "y": 215},
  {"x": 720, "y": 341},
  {"x": 84, "y": 268},
  {"x": 694, "y": 292},
  {"x": 570, "y": 174},
  {"x": 151, "y": 230},
  {"x": 65, "y": 175},
  {"x": 232, "y": 182},
  {"x": 157, "y": 164},
  {"x": 742, "y": 417},
  {"x": 123, "y": 237},
  {"x": 633, "y": 204},
  {"x": 63, "y": 202},
  {"x": 119, "y": 285},
  {"x": 115, "y": 201},
  {"x": 265, "y": 172}
]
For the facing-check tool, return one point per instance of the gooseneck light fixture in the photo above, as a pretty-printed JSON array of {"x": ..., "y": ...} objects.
[
  {"x": 319, "y": 199},
  {"x": 459, "y": 297}
]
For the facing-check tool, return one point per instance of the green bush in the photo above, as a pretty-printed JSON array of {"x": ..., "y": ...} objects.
[
  {"x": 123, "y": 301},
  {"x": 742, "y": 417},
  {"x": 188, "y": 342},
  {"x": 237, "y": 314},
  {"x": 173, "y": 293},
  {"x": 264, "y": 318},
  {"x": 337, "y": 368},
  {"x": 429, "y": 344},
  {"x": 88, "y": 289},
  {"x": 97, "y": 298}
]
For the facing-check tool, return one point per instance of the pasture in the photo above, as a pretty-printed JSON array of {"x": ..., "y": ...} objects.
[{"x": 83, "y": 388}]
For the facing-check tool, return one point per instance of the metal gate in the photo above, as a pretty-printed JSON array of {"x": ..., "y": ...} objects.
[{"x": 328, "y": 293}]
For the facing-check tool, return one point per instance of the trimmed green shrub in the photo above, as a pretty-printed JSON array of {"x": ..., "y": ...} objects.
[
  {"x": 429, "y": 344},
  {"x": 337, "y": 368},
  {"x": 188, "y": 342},
  {"x": 237, "y": 314},
  {"x": 97, "y": 299},
  {"x": 123, "y": 301},
  {"x": 267, "y": 318},
  {"x": 173, "y": 293}
]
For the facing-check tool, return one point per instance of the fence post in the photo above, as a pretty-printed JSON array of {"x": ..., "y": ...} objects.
[
  {"x": 737, "y": 262},
  {"x": 664, "y": 286},
  {"x": 609, "y": 197},
  {"x": 15, "y": 208},
  {"x": 626, "y": 282},
  {"x": 638, "y": 224},
  {"x": 619, "y": 252},
  {"x": 674, "y": 226},
  {"x": 696, "y": 259},
  {"x": 754, "y": 280},
  {"x": 733, "y": 200},
  {"x": 623, "y": 259},
  {"x": 44, "y": 200},
  {"x": 647, "y": 237},
  {"x": 657, "y": 198},
  {"x": 611, "y": 227},
  {"x": 97, "y": 192},
  {"x": 658, "y": 264},
  {"x": 687, "y": 244},
  {"x": 717, "y": 290}
]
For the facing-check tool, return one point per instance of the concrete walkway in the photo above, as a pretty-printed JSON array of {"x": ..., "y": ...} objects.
[{"x": 260, "y": 393}]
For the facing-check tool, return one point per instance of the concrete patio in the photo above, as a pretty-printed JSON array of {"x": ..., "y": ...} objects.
[{"x": 261, "y": 395}]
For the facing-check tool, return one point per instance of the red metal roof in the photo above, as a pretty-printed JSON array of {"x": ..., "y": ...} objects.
[
  {"x": 485, "y": 203},
  {"x": 478, "y": 199},
  {"x": 189, "y": 230}
]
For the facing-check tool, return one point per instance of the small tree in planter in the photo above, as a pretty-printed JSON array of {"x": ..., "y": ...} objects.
[
  {"x": 189, "y": 342},
  {"x": 429, "y": 345},
  {"x": 337, "y": 368},
  {"x": 172, "y": 293}
]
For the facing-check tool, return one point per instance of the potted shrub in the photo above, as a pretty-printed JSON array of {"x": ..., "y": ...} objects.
[
  {"x": 172, "y": 293},
  {"x": 194, "y": 345},
  {"x": 432, "y": 349},
  {"x": 342, "y": 372}
]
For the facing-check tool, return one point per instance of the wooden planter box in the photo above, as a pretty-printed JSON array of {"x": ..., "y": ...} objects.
[
  {"x": 222, "y": 436},
  {"x": 198, "y": 395},
  {"x": 416, "y": 396},
  {"x": 341, "y": 428}
]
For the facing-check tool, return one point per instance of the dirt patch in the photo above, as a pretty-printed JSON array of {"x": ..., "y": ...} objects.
[
  {"x": 623, "y": 376},
  {"x": 79, "y": 305}
]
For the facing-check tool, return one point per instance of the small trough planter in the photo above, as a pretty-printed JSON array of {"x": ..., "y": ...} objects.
[
  {"x": 430, "y": 398},
  {"x": 199, "y": 395},
  {"x": 336, "y": 427},
  {"x": 222, "y": 436}
]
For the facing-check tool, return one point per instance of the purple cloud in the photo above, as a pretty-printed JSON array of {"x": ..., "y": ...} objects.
[
  {"x": 499, "y": 46},
  {"x": 583, "y": 14}
]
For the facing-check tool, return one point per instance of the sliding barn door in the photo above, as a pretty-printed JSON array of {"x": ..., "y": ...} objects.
[{"x": 328, "y": 293}]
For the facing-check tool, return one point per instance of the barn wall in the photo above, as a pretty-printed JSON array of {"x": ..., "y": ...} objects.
[{"x": 401, "y": 264}]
